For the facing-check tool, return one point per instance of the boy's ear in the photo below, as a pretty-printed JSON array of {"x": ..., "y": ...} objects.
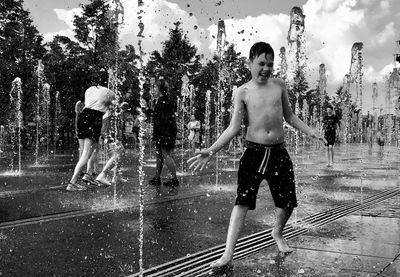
[{"x": 248, "y": 63}]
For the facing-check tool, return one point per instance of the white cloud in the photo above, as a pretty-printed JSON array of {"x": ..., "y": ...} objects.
[
  {"x": 158, "y": 19},
  {"x": 387, "y": 34},
  {"x": 386, "y": 70},
  {"x": 67, "y": 32},
  {"x": 385, "y": 5},
  {"x": 329, "y": 35},
  {"x": 369, "y": 74},
  {"x": 245, "y": 32},
  {"x": 68, "y": 15}
]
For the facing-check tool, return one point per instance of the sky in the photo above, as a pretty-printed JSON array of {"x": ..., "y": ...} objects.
[{"x": 331, "y": 28}]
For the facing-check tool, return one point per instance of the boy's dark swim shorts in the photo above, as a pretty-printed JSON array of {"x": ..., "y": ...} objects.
[
  {"x": 330, "y": 137},
  {"x": 272, "y": 163},
  {"x": 89, "y": 124}
]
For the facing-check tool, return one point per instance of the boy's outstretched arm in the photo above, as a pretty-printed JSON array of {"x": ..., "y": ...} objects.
[
  {"x": 293, "y": 119},
  {"x": 201, "y": 159}
]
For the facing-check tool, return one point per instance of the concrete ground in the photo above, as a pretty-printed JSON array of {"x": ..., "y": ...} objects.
[{"x": 47, "y": 231}]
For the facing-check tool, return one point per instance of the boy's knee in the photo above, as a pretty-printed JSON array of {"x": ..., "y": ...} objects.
[{"x": 287, "y": 210}]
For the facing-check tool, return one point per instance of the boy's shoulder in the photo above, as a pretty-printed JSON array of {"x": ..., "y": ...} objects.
[
  {"x": 278, "y": 81},
  {"x": 241, "y": 91},
  {"x": 274, "y": 81}
]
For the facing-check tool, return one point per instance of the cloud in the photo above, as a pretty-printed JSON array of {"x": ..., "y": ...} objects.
[
  {"x": 67, "y": 32},
  {"x": 330, "y": 36},
  {"x": 67, "y": 16},
  {"x": 386, "y": 70},
  {"x": 387, "y": 34},
  {"x": 245, "y": 32},
  {"x": 158, "y": 19}
]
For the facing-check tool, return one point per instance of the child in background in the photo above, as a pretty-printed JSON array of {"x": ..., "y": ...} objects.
[{"x": 111, "y": 136}]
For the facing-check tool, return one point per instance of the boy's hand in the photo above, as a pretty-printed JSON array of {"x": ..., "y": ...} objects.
[
  {"x": 200, "y": 160},
  {"x": 315, "y": 135}
]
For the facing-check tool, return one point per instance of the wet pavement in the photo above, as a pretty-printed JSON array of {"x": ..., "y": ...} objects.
[{"x": 47, "y": 231}]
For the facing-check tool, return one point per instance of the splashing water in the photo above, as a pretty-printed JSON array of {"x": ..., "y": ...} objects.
[
  {"x": 57, "y": 113},
  {"x": 40, "y": 82},
  {"x": 113, "y": 83},
  {"x": 2, "y": 135},
  {"x": 207, "y": 119},
  {"x": 183, "y": 114},
  {"x": 296, "y": 64},
  {"x": 222, "y": 75},
  {"x": 15, "y": 124},
  {"x": 141, "y": 136},
  {"x": 46, "y": 115},
  {"x": 354, "y": 86}
]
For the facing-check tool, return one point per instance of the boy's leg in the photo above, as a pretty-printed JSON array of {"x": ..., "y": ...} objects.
[
  {"x": 92, "y": 162},
  {"x": 169, "y": 161},
  {"x": 109, "y": 164},
  {"x": 235, "y": 226},
  {"x": 159, "y": 162},
  {"x": 332, "y": 154},
  {"x": 86, "y": 153},
  {"x": 80, "y": 149},
  {"x": 282, "y": 216},
  {"x": 329, "y": 155}
]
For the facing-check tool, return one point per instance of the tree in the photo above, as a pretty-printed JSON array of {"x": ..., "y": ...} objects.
[
  {"x": 177, "y": 57},
  {"x": 128, "y": 72},
  {"x": 206, "y": 79},
  {"x": 20, "y": 48},
  {"x": 298, "y": 90},
  {"x": 65, "y": 71},
  {"x": 97, "y": 30},
  {"x": 154, "y": 67}
]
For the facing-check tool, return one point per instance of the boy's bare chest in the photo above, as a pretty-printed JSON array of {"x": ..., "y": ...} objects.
[{"x": 263, "y": 101}]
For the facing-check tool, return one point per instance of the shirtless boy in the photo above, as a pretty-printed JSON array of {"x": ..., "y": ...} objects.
[{"x": 265, "y": 101}]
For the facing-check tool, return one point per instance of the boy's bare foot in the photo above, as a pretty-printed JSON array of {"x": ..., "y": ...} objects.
[
  {"x": 222, "y": 263},
  {"x": 283, "y": 246}
]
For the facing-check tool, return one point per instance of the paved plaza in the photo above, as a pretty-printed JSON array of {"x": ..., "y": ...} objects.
[{"x": 347, "y": 222}]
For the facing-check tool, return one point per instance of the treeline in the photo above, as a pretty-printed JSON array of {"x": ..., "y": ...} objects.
[{"x": 70, "y": 67}]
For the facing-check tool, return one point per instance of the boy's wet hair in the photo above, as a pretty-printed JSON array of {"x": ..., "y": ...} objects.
[
  {"x": 329, "y": 107},
  {"x": 259, "y": 48}
]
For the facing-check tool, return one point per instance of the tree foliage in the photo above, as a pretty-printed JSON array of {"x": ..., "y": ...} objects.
[
  {"x": 20, "y": 47},
  {"x": 97, "y": 30}
]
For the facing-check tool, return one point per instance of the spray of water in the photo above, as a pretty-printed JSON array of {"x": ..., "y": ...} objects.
[
  {"x": 184, "y": 114},
  {"x": 15, "y": 124},
  {"x": 207, "y": 118},
  {"x": 46, "y": 115},
  {"x": 222, "y": 74},
  {"x": 296, "y": 62},
  {"x": 40, "y": 82},
  {"x": 2, "y": 137},
  {"x": 57, "y": 112},
  {"x": 141, "y": 135}
]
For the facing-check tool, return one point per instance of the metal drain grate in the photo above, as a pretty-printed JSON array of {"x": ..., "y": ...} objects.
[{"x": 198, "y": 264}]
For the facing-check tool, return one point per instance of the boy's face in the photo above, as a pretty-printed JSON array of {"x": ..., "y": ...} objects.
[
  {"x": 329, "y": 111},
  {"x": 261, "y": 67}
]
